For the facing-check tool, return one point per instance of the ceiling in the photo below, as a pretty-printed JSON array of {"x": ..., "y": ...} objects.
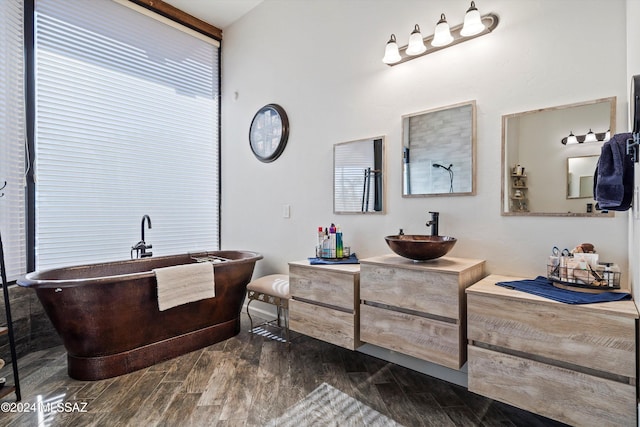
[{"x": 219, "y": 13}]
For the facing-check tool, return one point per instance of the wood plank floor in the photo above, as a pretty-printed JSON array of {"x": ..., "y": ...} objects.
[{"x": 252, "y": 380}]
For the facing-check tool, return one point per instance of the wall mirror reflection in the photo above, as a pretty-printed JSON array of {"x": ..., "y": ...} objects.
[
  {"x": 549, "y": 157},
  {"x": 358, "y": 176},
  {"x": 580, "y": 171},
  {"x": 439, "y": 149}
]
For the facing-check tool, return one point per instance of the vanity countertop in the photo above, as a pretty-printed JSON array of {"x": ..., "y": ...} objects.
[
  {"x": 444, "y": 264},
  {"x": 488, "y": 287},
  {"x": 340, "y": 268}
]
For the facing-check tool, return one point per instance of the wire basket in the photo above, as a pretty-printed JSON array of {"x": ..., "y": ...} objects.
[{"x": 598, "y": 278}]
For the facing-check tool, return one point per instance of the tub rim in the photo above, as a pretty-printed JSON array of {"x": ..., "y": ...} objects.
[{"x": 28, "y": 281}]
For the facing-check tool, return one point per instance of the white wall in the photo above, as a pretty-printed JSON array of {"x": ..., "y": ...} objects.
[{"x": 321, "y": 60}]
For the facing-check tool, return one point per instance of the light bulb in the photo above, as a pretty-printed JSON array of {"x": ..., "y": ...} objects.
[
  {"x": 442, "y": 34},
  {"x": 590, "y": 137},
  {"x": 391, "y": 52},
  {"x": 416, "y": 43},
  {"x": 472, "y": 22},
  {"x": 571, "y": 139}
]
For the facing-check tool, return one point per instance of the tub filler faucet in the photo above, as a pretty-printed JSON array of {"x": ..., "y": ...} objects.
[
  {"x": 434, "y": 223},
  {"x": 141, "y": 247}
]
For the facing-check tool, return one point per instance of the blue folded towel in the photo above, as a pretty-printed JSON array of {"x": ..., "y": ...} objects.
[
  {"x": 613, "y": 179},
  {"x": 543, "y": 287},
  {"x": 353, "y": 259}
]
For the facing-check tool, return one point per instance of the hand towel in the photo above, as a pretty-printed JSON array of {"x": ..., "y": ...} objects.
[
  {"x": 543, "y": 287},
  {"x": 353, "y": 259},
  {"x": 185, "y": 283},
  {"x": 613, "y": 180}
]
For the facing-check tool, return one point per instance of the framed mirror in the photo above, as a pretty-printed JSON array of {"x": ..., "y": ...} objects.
[
  {"x": 580, "y": 172},
  {"x": 359, "y": 176},
  {"x": 549, "y": 157},
  {"x": 439, "y": 151}
]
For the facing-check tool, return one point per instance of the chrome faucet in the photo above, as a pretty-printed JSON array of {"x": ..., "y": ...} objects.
[
  {"x": 141, "y": 247},
  {"x": 434, "y": 223}
]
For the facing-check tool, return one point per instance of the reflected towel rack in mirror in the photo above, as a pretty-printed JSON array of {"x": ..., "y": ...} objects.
[{"x": 632, "y": 146}]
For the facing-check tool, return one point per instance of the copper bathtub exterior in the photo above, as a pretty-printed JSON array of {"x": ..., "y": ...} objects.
[{"x": 108, "y": 318}]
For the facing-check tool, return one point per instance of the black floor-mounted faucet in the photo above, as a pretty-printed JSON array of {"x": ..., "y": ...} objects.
[
  {"x": 435, "y": 217},
  {"x": 141, "y": 247}
]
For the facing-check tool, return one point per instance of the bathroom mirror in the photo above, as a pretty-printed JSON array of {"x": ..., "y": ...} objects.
[
  {"x": 539, "y": 144},
  {"x": 439, "y": 151},
  {"x": 580, "y": 171},
  {"x": 359, "y": 176}
]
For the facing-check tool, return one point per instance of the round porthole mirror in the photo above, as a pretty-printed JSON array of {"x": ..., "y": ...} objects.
[{"x": 269, "y": 132}]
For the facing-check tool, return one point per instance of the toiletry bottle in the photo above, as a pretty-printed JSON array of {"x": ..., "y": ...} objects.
[
  {"x": 320, "y": 242},
  {"x": 332, "y": 241},
  {"x": 339, "y": 248},
  {"x": 563, "y": 268},
  {"x": 614, "y": 277},
  {"x": 607, "y": 276},
  {"x": 326, "y": 250}
]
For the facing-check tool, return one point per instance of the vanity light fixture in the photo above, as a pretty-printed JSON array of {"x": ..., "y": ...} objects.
[
  {"x": 416, "y": 43},
  {"x": 444, "y": 36},
  {"x": 571, "y": 139},
  {"x": 589, "y": 137},
  {"x": 391, "y": 52},
  {"x": 472, "y": 22}
]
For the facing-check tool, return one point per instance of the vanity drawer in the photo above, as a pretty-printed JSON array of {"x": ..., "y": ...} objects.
[
  {"x": 427, "y": 292},
  {"x": 326, "y": 324},
  {"x": 578, "y": 335},
  {"x": 565, "y": 395},
  {"x": 336, "y": 285},
  {"x": 428, "y": 339}
]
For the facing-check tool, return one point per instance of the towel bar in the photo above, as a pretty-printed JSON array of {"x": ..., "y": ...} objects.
[{"x": 632, "y": 146}]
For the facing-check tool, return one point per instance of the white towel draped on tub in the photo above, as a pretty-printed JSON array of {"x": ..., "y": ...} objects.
[{"x": 185, "y": 283}]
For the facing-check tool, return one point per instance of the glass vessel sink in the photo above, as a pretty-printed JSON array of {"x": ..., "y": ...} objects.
[{"x": 420, "y": 247}]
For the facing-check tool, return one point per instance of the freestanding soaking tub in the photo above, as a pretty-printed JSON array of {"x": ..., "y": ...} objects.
[{"x": 108, "y": 318}]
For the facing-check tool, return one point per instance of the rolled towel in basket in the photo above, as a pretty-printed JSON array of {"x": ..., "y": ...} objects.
[{"x": 182, "y": 284}]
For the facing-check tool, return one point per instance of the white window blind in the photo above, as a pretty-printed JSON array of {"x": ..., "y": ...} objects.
[
  {"x": 357, "y": 182},
  {"x": 126, "y": 125},
  {"x": 12, "y": 138}
]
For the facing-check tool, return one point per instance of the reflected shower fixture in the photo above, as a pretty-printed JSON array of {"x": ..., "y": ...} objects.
[
  {"x": 448, "y": 169},
  {"x": 588, "y": 137},
  {"x": 444, "y": 36}
]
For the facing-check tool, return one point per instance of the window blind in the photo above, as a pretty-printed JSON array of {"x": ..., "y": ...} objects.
[
  {"x": 127, "y": 118},
  {"x": 357, "y": 176},
  {"x": 12, "y": 138}
]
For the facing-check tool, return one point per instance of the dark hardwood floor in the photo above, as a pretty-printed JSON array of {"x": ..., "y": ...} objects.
[{"x": 253, "y": 380}]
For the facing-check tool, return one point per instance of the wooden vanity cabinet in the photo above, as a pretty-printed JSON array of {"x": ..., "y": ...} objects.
[
  {"x": 572, "y": 363},
  {"x": 417, "y": 308},
  {"x": 325, "y": 301}
]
